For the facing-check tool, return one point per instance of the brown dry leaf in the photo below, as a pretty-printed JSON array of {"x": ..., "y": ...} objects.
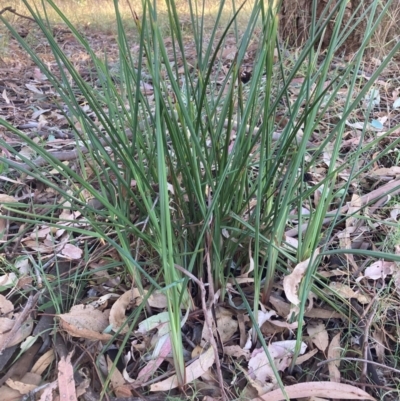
[
  {"x": 318, "y": 389},
  {"x": 378, "y": 336},
  {"x": 227, "y": 326},
  {"x": 319, "y": 335},
  {"x": 236, "y": 351},
  {"x": 280, "y": 351},
  {"x": 292, "y": 281},
  {"x": 303, "y": 358},
  {"x": 391, "y": 171},
  {"x": 85, "y": 321},
  {"x": 86, "y": 316},
  {"x": 133, "y": 298},
  {"x": 283, "y": 309},
  {"x": 72, "y": 251},
  {"x": 8, "y": 394},
  {"x": 38, "y": 247},
  {"x": 84, "y": 333},
  {"x": 23, "y": 331},
  {"x": 28, "y": 383},
  {"x": 117, "y": 381},
  {"x": 6, "y": 324},
  {"x": 285, "y": 325},
  {"x": 193, "y": 371},
  {"x": 118, "y": 310},
  {"x": 39, "y": 233},
  {"x": 7, "y": 199},
  {"x": 280, "y": 305},
  {"x": 6, "y": 306},
  {"x": 43, "y": 362},
  {"x": 157, "y": 299},
  {"x": 319, "y": 313},
  {"x": 334, "y": 353},
  {"x": 379, "y": 270},
  {"x": 66, "y": 381},
  {"x": 346, "y": 292}
]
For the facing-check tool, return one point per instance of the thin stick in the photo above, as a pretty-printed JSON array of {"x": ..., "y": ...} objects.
[
  {"x": 360, "y": 360},
  {"x": 12, "y": 10},
  {"x": 208, "y": 320},
  {"x": 352, "y": 382},
  {"x": 391, "y": 188}
]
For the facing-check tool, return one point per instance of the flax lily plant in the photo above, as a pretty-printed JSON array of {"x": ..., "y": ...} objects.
[{"x": 198, "y": 174}]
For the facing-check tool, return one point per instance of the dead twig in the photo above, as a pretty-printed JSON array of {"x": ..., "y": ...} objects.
[
  {"x": 360, "y": 360},
  {"x": 352, "y": 382},
  {"x": 208, "y": 317},
  {"x": 12, "y": 10},
  {"x": 392, "y": 188}
]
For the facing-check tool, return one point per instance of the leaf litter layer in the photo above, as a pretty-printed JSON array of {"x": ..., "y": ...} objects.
[{"x": 243, "y": 203}]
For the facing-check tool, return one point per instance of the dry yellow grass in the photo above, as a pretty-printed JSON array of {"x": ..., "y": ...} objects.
[{"x": 100, "y": 14}]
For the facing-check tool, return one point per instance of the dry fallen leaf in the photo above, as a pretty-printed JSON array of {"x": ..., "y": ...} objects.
[
  {"x": 28, "y": 383},
  {"x": 24, "y": 330},
  {"x": 72, "y": 251},
  {"x": 85, "y": 321},
  {"x": 6, "y": 306},
  {"x": 8, "y": 394},
  {"x": 117, "y": 313},
  {"x": 391, "y": 171},
  {"x": 7, "y": 199},
  {"x": 318, "y": 334},
  {"x": 39, "y": 247},
  {"x": 378, "y": 345},
  {"x": 280, "y": 351},
  {"x": 379, "y": 270},
  {"x": 346, "y": 292},
  {"x": 292, "y": 281},
  {"x": 236, "y": 351},
  {"x": 227, "y": 326},
  {"x": 334, "y": 353},
  {"x": 66, "y": 381},
  {"x": 319, "y": 313},
  {"x": 303, "y": 358},
  {"x": 193, "y": 371},
  {"x": 318, "y": 389},
  {"x": 128, "y": 300},
  {"x": 118, "y": 382},
  {"x": 43, "y": 362}
]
